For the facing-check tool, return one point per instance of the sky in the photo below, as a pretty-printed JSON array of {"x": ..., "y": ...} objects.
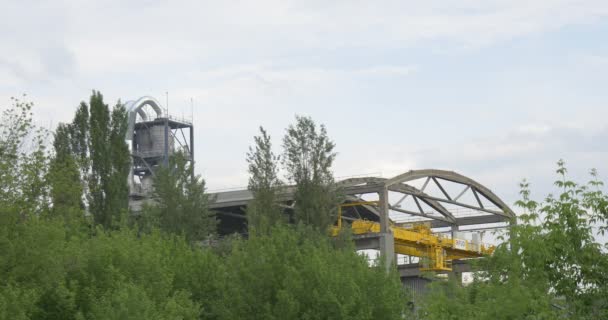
[{"x": 496, "y": 90}]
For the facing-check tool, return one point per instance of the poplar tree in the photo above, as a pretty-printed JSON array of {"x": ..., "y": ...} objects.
[
  {"x": 108, "y": 157},
  {"x": 94, "y": 143},
  {"x": 307, "y": 158},
  {"x": 263, "y": 211},
  {"x": 64, "y": 177}
]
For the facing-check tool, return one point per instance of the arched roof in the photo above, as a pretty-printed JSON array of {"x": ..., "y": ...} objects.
[{"x": 399, "y": 184}]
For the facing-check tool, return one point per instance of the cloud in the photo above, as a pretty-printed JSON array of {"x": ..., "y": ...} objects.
[
  {"x": 527, "y": 151},
  {"x": 116, "y": 36},
  {"x": 348, "y": 64},
  {"x": 386, "y": 71}
]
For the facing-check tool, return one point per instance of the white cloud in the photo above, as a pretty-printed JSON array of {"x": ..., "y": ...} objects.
[
  {"x": 113, "y": 36},
  {"x": 387, "y": 71},
  {"x": 250, "y": 63}
]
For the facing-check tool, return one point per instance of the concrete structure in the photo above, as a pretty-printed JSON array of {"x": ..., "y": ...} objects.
[{"x": 455, "y": 202}]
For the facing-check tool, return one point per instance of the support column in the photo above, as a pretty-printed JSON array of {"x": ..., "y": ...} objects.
[
  {"x": 455, "y": 275},
  {"x": 455, "y": 227},
  {"x": 387, "y": 241},
  {"x": 192, "y": 150},
  {"x": 166, "y": 147}
]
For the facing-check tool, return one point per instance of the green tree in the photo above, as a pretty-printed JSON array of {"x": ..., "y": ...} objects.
[
  {"x": 548, "y": 266},
  {"x": 263, "y": 211},
  {"x": 64, "y": 178},
  {"x": 93, "y": 143},
  {"x": 108, "y": 189},
  {"x": 307, "y": 157},
  {"x": 23, "y": 163},
  {"x": 180, "y": 204},
  {"x": 297, "y": 273}
]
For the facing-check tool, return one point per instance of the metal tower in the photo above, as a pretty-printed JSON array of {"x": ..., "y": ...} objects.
[{"x": 153, "y": 136}]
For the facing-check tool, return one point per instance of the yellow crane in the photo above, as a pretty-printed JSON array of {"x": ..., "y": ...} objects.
[{"x": 418, "y": 240}]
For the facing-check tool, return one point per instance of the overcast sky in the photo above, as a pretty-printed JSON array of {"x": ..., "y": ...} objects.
[{"x": 495, "y": 90}]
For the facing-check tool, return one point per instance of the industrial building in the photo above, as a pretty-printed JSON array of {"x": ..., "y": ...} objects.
[
  {"x": 422, "y": 220},
  {"x": 153, "y": 136}
]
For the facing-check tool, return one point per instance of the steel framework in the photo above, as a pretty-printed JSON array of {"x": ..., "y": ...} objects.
[
  {"x": 153, "y": 136},
  {"x": 436, "y": 197}
]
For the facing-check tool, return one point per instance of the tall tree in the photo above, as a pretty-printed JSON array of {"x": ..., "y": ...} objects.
[
  {"x": 101, "y": 162},
  {"x": 263, "y": 211},
  {"x": 64, "y": 177},
  {"x": 307, "y": 158},
  {"x": 94, "y": 142},
  {"x": 118, "y": 189},
  {"x": 180, "y": 204}
]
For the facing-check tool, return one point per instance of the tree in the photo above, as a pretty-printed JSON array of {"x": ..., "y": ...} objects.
[
  {"x": 263, "y": 211},
  {"x": 23, "y": 163},
  {"x": 108, "y": 189},
  {"x": 180, "y": 204},
  {"x": 291, "y": 272},
  {"x": 307, "y": 157},
  {"x": 548, "y": 266},
  {"x": 64, "y": 178},
  {"x": 297, "y": 273},
  {"x": 94, "y": 143}
]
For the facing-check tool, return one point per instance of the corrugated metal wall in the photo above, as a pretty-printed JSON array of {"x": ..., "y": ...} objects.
[
  {"x": 417, "y": 285},
  {"x": 151, "y": 141}
]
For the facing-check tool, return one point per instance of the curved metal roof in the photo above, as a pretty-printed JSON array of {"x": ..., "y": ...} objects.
[{"x": 445, "y": 207}]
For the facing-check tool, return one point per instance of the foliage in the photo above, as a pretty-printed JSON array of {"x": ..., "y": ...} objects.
[
  {"x": 55, "y": 267},
  {"x": 296, "y": 273},
  {"x": 64, "y": 178},
  {"x": 120, "y": 274},
  {"x": 180, "y": 204},
  {"x": 91, "y": 163},
  {"x": 111, "y": 275},
  {"x": 549, "y": 266},
  {"x": 109, "y": 160},
  {"x": 23, "y": 164},
  {"x": 263, "y": 212},
  {"x": 307, "y": 157}
]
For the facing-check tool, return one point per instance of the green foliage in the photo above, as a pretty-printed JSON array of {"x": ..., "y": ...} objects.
[
  {"x": 91, "y": 163},
  {"x": 299, "y": 274},
  {"x": 111, "y": 275},
  {"x": 263, "y": 212},
  {"x": 180, "y": 203},
  {"x": 64, "y": 178},
  {"x": 508, "y": 300},
  {"x": 56, "y": 266},
  {"x": 23, "y": 164},
  {"x": 109, "y": 160},
  {"x": 292, "y": 274},
  {"x": 549, "y": 266},
  {"x": 307, "y": 157}
]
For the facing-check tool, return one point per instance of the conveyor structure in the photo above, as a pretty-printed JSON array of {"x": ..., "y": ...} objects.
[
  {"x": 399, "y": 215},
  {"x": 417, "y": 240}
]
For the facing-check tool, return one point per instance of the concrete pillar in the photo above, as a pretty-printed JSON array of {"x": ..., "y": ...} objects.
[
  {"x": 454, "y": 228},
  {"x": 455, "y": 275},
  {"x": 166, "y": 149},
  {"x": 387, "y": 241}
]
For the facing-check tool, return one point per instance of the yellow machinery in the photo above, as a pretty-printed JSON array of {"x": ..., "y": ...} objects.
[{"x": 417, "y": 240}]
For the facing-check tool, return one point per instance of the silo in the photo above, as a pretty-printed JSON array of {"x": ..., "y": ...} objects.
[{"x": 150, "y": 141}]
